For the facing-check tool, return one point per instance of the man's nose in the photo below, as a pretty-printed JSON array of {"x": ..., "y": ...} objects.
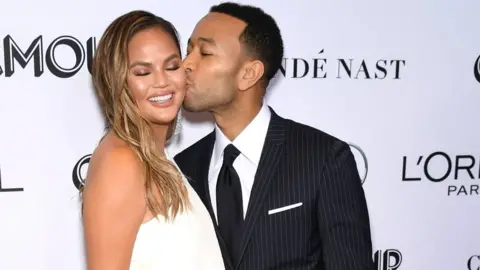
[{"x": 188, "y": 64}]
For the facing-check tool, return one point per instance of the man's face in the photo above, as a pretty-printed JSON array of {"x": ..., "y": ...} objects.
[{"x": 213, "y": 61}]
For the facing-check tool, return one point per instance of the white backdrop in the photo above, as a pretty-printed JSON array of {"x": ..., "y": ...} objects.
[{"x": 410, "y": 104}]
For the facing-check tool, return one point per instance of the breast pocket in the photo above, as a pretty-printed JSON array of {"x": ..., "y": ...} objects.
[
  {"x": 286, "y": 228},
  {"x": 288, "y": 216},
  {"x": 289, "y": 207}
]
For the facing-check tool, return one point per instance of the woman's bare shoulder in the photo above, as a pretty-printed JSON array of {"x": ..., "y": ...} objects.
[
  {"x": 113, "y": 204},
  {"x": 115, "y": 172}
]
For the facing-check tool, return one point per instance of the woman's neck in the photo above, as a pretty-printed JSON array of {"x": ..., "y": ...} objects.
[{"x": 160, "y": 137}]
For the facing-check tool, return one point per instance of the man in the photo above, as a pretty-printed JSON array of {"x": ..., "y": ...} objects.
[{"x": 283, "y": 195}]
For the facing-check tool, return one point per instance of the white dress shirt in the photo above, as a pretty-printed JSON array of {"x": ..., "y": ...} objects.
[{"x": 250, "y": 144}]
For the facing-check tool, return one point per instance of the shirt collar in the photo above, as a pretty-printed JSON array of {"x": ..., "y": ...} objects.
[{"x": 249, "y": 142}]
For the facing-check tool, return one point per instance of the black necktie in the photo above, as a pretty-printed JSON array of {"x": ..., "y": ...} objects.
[{"x": 230, "y": 203}]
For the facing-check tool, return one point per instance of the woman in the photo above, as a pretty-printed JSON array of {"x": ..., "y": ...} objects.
[{"x": 139, "y": 212}]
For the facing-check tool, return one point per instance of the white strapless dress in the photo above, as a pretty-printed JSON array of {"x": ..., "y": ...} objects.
[{"x": 188, "y": 242}]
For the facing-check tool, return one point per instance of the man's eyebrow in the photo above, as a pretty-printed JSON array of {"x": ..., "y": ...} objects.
[{"x": 203, "y": 39}]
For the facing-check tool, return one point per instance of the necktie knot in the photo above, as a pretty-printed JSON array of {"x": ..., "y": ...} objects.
[{"x": 230, "y": 154}]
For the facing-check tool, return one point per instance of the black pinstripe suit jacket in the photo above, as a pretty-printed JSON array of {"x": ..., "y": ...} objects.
[{"x": 299, "y": 164}]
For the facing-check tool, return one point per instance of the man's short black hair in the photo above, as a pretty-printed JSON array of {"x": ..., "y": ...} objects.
[{"x": 261, "y": 36}]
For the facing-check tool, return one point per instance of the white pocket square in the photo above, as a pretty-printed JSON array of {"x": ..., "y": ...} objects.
[{"x": 284, "y": 208}]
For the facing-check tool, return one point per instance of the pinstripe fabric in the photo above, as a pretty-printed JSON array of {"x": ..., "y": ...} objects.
[{"x": 330, "y": 230}]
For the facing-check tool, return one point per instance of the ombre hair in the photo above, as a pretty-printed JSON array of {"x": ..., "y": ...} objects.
[{"x": 166, "y": 194}]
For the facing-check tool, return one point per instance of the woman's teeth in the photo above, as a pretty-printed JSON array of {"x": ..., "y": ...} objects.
[{"x": 161, "y": 99}]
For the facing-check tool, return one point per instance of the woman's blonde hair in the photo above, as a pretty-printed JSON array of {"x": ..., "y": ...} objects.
[{"x": 166, "y": 194}]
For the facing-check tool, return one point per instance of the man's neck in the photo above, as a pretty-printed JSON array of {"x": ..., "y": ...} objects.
[{"x": 234, "y": 120}]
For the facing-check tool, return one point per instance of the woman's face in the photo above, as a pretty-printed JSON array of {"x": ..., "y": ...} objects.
[{"x": 155, "y": 75}]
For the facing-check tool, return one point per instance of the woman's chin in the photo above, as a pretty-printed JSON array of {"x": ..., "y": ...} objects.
[{"x": 162, "y": 121}]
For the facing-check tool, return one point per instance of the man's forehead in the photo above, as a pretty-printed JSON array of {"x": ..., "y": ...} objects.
[{"x": 217, "y": 26}]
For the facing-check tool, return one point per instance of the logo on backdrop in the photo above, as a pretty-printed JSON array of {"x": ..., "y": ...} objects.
[
  {"x": 474, "y": 262},
  {"x": 320, "y": 67},
  {"x": 361, "y": 159},
  {"x": 3, "y": 189},
  {"x": 80, "y": 170},
  {"x": 476, "y": 69},
  {"x": 37, "y": 58},
  {"x": 389, "y": 259},
  {"x": 459, "y": 173}
]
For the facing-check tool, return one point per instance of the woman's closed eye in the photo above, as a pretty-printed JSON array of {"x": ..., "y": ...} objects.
[
  {"x": 173, "y": 67},
  {"x": 141, "y": 73}
]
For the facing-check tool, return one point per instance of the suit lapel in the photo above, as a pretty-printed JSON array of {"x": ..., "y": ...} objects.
[
  {"x": 267, "y": 167},
  {"x": 200, "y": 182}
]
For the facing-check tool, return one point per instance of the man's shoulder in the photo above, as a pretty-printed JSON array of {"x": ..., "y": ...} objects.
[
  {"x": 195, "y": 150},
  {"x": 316, "y": 136}
]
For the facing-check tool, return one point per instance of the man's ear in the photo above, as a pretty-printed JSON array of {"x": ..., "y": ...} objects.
[{"x": 250, "y": 74}]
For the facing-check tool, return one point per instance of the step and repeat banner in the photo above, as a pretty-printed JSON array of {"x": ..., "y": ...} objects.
[{"x": 399, "y": 81}]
